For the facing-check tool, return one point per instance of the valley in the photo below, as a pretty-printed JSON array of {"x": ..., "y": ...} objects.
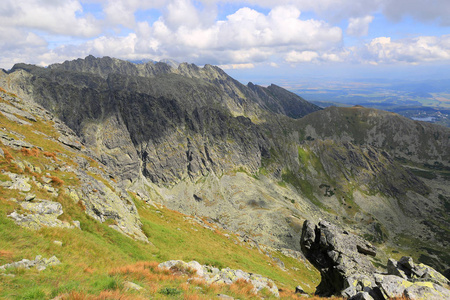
[{"x": 151, "y": 162}]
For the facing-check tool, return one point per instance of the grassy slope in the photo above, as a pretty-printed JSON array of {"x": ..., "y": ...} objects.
[{"x": 97, "y": 260}]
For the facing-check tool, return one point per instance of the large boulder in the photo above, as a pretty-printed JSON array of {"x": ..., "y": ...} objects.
[
  {"x": 342, "y": 259},
  {"x": 339, "y": 256}
]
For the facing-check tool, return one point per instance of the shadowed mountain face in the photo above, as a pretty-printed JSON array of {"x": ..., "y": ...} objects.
[{"x": 257, "y": 160}]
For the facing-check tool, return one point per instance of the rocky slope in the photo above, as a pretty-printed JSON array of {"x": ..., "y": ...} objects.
[
  {"x": 246, "y": 157},
  {"x": 343, "y": 261}
]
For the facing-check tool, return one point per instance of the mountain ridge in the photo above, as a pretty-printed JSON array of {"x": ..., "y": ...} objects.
[{"x": 200, "y": 142}]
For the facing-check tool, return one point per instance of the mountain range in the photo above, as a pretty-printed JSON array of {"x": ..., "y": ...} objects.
[{"x": 250, "y": 160}]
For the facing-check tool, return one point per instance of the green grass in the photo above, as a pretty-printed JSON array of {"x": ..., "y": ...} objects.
[{"x": 90, "y": 255}]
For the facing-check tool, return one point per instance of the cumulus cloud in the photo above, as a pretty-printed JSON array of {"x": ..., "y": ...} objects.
[
  {"x": 359, "y": 26},
  {"x": 237, "y": 66},
  {"x": 246, "y": 36},
  {"x": 58, "y": 17},
  {"x": 332, "y": 55},
  {"x": 304, "y": 56},
  {"x": 189, "y": 30},
  {"x": 336, "y": 10},
  {"x": 421, "y": 49}
]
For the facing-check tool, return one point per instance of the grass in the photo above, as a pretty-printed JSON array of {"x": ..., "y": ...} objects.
[
  {"x": 96, "y": 261},
  {"x": 84, "y": 274}
]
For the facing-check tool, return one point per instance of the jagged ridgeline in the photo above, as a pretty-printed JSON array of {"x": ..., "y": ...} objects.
[{"x": 255, "y": 160}]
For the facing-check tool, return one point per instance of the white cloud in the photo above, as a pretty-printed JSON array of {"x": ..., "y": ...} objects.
[
  {"x": 359, "y": 26},
  {"x": 246, "y": 36},
  {"x": 188, "y": 30},
  {"x": 304, "y": 56},
  {"x": 237, "y": 66},
  {"x": 416, "y": 50},
  {"x": 333, "y": 55},
  {"x": 58, "y": 17}
]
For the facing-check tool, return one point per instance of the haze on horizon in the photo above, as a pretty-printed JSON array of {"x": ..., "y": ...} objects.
[{"x": 260, "y": 41}]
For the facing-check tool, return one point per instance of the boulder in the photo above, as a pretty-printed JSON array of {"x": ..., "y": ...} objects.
[
  {"x": 362, "y": 296},
  {"x": 338, "y": 255},
  {"x": 128, "y": 285},
  {"x": 224, "y": 276},
  {"x": 406, "y": 268},
  {"x": 342, "y": 260},
  {"x": 42, "y": 213},
  {"x": 426, "y": 290},
  {"x": 39, "y": 263}
]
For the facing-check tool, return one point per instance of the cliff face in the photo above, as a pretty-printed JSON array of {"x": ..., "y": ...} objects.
[{"x": 247, "y": 156}]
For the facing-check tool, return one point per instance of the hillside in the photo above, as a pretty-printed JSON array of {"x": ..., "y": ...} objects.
[
  {"x": 126, "y": 147},
  {"x": 58, "y": 200}
]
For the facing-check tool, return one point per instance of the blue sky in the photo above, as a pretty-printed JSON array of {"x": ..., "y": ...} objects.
[{"x": 260, "y": 41}]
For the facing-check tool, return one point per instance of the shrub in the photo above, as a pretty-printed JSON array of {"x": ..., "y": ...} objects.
[{"x": 168, "y": 291}]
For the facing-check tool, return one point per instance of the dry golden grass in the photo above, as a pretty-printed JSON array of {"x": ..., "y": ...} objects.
[
  {"x": 57, "y": 181},
  {"x": 30, "y": 152},
  {"x": 8, "y": 155},
  {"x": 49, "y": 154},
  {"x": 104, "y": 295},
  {"x": 243, "y": 287},
  {"x": 6, "y": 254}
]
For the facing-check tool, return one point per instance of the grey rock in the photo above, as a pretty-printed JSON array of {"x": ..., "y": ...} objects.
[
  {"x": 6, "y": 184},
  {"x": 68, "y": 141},
  {"x": 393, "y": 286},
  {"x": 406, "y": 268},
  {"x": 393, "y": 269},
  {"x": 223, "y": 296},
  {"x": 39, "y": 262},
  {"x": 426, "y": 290},
  {"x": 76, "y": 224},
  {"x": 19, "y": 182},
  {"x": 328, "y": 248},
  {"x": 224, "y": 276},
  {"x": 299, "y": 290},
  {"x": 13, "y": 118},
  {"x": 337, "y": 255},
  {"x": 362, "y": 296},
  {"x": 59, "y": 243},
  {"x": 40, "y": 214},
  {"x": 30, "y": 197},
  {"x": 128, "y": 285}
]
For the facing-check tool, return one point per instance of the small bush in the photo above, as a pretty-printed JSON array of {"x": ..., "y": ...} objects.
[{"x": 168, "y": 291}]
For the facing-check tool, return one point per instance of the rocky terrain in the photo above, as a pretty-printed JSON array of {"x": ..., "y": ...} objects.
[
  {"x": 342, "y": 259},
  {"x": 103, "y": 136}
]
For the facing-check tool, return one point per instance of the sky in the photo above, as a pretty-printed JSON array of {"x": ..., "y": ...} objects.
[{"x": 260, "y": 41}]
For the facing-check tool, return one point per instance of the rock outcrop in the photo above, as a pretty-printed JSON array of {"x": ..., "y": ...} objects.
[
  {"x": 221, "y": 276},
  {"x": 200, "y": 142},
  {"x": 339, "y": 256},
  {"x": 92, "y": 186},
  {"x": 342, "y": 259},
  {"x": 39, "y": 263},
  {"x": 40, "y": 213}
]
